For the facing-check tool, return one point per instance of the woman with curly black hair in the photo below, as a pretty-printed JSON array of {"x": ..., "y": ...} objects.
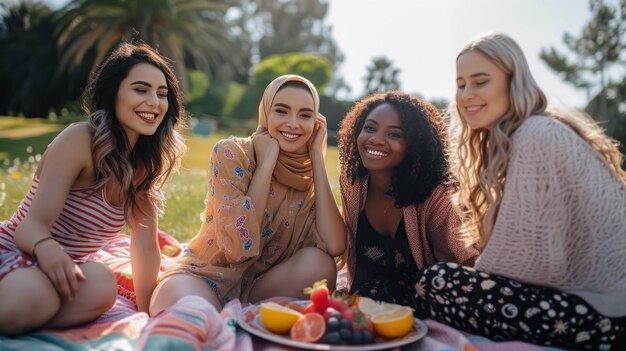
[{"x": 395, "y": 191}]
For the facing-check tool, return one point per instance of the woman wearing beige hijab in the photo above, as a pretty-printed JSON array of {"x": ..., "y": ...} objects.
[{"x": 266, "y": 192}]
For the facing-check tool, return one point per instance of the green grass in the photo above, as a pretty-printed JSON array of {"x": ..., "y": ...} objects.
[
  {"x": 18, "y": 135},
  {"x": 22, "y": 142}
]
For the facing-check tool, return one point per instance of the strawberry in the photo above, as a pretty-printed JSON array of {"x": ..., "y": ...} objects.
[
  {"x": 310, "y": 308},
  {"x": 348, "y": 314},
  {"x": 319, "y": 295},
  {"x": 338, "y": 304}
]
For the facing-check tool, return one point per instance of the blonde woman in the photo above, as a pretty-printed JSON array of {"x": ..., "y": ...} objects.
[
  {"x": 271, "y": 226},
  {"x": 93, "y": 178},
  {"x": 545, "y": 199}
]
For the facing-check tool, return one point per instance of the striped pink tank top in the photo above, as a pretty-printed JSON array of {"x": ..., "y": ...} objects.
[{"x": 85, "y": 225}]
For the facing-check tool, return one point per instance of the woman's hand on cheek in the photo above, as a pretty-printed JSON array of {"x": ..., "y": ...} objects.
[
  {"x": 266, "y": 148},
  {"x": 317, "y": 142}
]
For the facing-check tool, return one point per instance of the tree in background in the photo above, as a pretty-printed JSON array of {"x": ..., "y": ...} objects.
[
  {"x": 190, "y": 32},
  {"x": 28, "y": 60},
  {"x": 440, "y": 103},
  {"x": 315, "y": 69},
  {"x": 381, "y": 76},
  {"x": 287, "y": 26},
  {"x": 240, "y": 102},
  {"x": 46, "y": 55},
  {"x": 598, "y": 51},
  {"x": 199, "y": 82}
]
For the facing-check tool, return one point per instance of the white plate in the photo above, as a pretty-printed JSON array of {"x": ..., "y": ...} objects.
[{"x": 256, "y": 327}]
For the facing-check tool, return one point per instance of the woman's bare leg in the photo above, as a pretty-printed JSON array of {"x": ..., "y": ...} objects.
[
  {"x": 29, "y": 300},
  {"x": 177, "y": 286},
  {"x": 289, "y": 278},
  {"x": 96, "y": 295}
]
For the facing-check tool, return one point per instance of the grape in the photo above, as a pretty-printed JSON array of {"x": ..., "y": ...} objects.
[
  {"x": 332, "y": 338},
  {"x": 346, "y": 334},
  {"x": 346, "y": 324},
  {"x": 367, "y": 337},
  {"x": 332, "y": 324},
  {"x": 357, "y": 337}
]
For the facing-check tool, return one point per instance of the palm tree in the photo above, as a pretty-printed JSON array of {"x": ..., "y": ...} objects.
[
  {"x": 189, "y": 32},
  {"x": 28, "y": 60},
  {"x": 381, "y": 76}
]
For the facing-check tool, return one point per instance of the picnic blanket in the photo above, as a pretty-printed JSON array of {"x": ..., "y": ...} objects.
[{"x": 193, "y": 324}]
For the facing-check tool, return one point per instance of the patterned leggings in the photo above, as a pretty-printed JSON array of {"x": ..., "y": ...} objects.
[{"x": 504, "y": 309}]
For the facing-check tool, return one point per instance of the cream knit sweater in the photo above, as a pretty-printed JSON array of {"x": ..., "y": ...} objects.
[{"x": 562, "y": 219}]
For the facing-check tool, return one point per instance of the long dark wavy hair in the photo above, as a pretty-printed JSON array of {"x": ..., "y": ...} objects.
[
  {"x": 425, "y": 164},
  {"x": 143, "y": 169}
]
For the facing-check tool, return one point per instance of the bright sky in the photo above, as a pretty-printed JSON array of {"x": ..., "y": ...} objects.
[{"x": 423, "y": 37}]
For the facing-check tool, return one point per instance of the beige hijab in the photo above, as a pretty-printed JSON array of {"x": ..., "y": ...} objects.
[{"x": 292, "y": 169}]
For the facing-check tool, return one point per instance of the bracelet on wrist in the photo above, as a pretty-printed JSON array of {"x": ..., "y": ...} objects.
[{"x": 32, "y": 250}]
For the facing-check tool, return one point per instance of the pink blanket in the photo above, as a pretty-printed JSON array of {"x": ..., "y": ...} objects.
[{"x": 193, "y": 324}]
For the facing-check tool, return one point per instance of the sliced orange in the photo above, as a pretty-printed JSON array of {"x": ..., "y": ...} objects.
[
  {"x": 372, "y": 308},
  {"x": 395, "y": 323},
  {"x": 309, "y": 328},
  {"x": 276, "y": 318}
]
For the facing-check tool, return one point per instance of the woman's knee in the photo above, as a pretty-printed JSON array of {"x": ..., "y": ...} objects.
[
  {"x": 173, "y": 288},
  {"x": 28, "y": 301},
  {"x": 100, "y": 287},
  {"x": 318, "y": 264}
]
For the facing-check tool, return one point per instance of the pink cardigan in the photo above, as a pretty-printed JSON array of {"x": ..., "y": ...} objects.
[{"x": 431, "y": 228}]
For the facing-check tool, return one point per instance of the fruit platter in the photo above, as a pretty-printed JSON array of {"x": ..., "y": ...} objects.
[{"x": 333, "y": 322}]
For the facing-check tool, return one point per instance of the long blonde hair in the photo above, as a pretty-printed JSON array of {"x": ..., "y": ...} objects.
[
  {"x": 143, "y": 169},
  {"x": 480, "y": 157}
]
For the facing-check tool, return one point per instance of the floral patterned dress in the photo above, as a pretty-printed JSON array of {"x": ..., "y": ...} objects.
[
  {"x": 232, "y": 250},
  {"x": 385, "y": 269}
]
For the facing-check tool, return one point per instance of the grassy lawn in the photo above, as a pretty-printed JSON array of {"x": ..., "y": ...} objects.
[
  {"x": 18, "y": 134},
  {"x": 22, "y": 141}
]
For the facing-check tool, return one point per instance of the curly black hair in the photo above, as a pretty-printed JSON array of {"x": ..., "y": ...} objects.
[{"x": 425, "y": 165}]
